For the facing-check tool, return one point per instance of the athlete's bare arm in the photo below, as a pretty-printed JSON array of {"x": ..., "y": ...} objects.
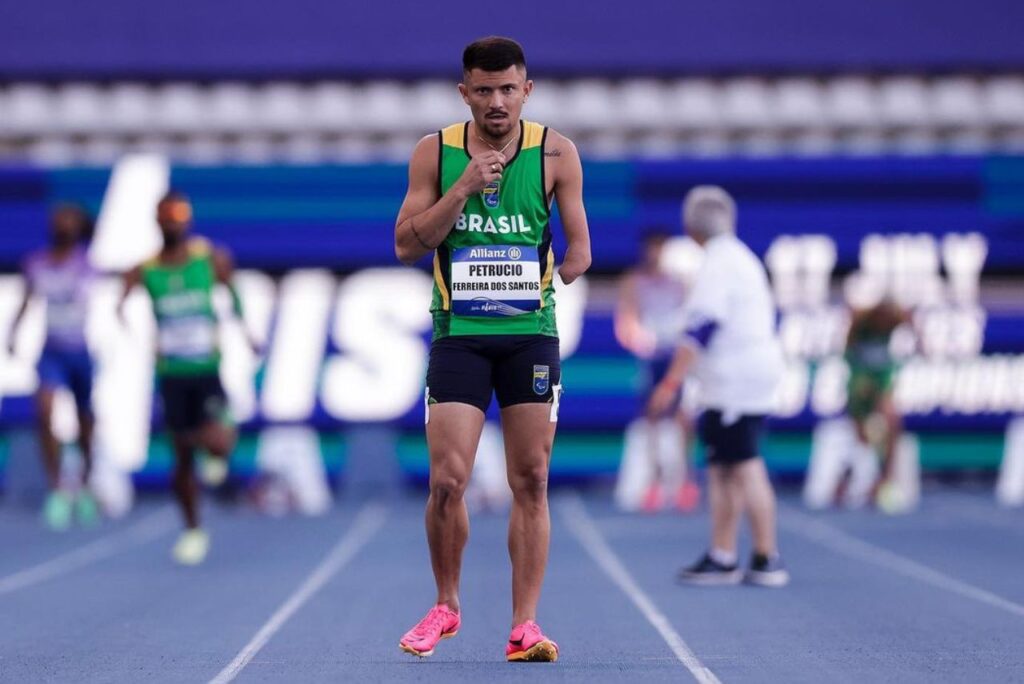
[
  {"x": 130, "y": 280},
  {"x": 426, "y": 217},
  {"x": 224, "y": 270},
  {"x": 562, "y": 163},
  {"x": 627, "y": 315}
]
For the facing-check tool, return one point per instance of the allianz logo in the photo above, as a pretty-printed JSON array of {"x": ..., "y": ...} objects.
[{"x": 475, "y": 223}]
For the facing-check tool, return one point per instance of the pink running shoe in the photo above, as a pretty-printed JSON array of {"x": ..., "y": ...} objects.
[
  {"x": 653, "y": 500},
  {"x": 440, "y": 623},
  {"x": 529, "y": 645}
]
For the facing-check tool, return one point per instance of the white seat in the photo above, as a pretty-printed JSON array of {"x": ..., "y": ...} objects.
[
  {"x": 131, "y": 108},
  {"x": 51, "y": 151},
  {"x": 381, "y": 107},
  {"x": 252, "y": 149},
  {"x": 397, "y": 149},
  {"x": 435, "y": 104},
  {"x": 332, "y": 106},
  {"x": 814, "y": 142},
  {"x": 1003, "y": 99},
  {"x": 232, "y": 108},
  {"x": 904, "y": 102},
  {"x": 99, "y": 151},
  {"x": 351, "y": 149},
  {"x": 30, "y": 110},
  {"x": 799, "y": 103},
  {"x": 657, "y": 145},
  {"x": 969, "y": 141},
  {"x": 546, "y": 105},
  {"x": 851, "y": 102},
  {"x": 302, "y": 148},
  {"x": 180, "y": 108},
  {"x": 282, "y": 107},
  {"x": 956, "y": 102},
  {"x": 695, "y": 104},
  {"x": 589, "y": 105},
  {"x": 643, "y": 104},
  {"x": 915, "y": 142},
  {"x": 79, "y": 109},
  {"x": 201, "y": 150},
  {"x": 746, "y": 104},
  {"x": 611, "y": 144}
]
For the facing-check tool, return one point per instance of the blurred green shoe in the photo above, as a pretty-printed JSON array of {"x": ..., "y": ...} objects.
[
  {"x": 57, "y": 511},
  {"x": 191, "y": 547},
  {"x": 213, "y": 470},
  {"x": 87, "y": 510}
]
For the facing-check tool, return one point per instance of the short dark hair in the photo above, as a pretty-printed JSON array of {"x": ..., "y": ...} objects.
[
  {"x": 493, "y": 53},
  {"x": 174, "y": 195}
]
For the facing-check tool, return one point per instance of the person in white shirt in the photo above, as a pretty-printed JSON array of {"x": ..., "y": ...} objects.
[{"x": 731, "y": 346}]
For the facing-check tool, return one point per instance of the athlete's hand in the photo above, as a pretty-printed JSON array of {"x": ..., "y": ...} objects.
[{"x": 484, "y": 168}]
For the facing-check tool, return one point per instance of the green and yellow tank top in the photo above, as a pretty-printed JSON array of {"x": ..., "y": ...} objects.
[
  {"x": 183, "y": 305},
  {"x": 493, "y": 273}
]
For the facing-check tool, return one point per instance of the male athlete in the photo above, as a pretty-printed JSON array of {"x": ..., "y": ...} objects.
[
  {"x": 480, "y": 198},
  {"x": 180, "y": 279},
  {"x": 731, "y": 342},
  {"x": 869, "y": 390},
  {"x": 650, "y": 301},
  {"x": 61, "y": 275}
]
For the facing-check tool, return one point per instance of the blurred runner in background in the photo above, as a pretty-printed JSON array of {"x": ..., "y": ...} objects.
[
  {"x": 647, "y": 323},
  {"x": 180, "y": 280},
  {"x": 61, "y": 275}
]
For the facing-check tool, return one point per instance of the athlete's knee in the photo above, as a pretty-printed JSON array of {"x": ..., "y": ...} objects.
[
  {"x": 529, "y": 483},
  {"x": 218, "y": 439},
  {"x": 448, "y": 487}
]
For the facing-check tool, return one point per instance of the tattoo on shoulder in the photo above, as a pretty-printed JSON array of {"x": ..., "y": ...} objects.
[{"x": 553, "y": 153}]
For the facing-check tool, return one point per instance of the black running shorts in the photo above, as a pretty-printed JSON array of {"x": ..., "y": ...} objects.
[
  {"x": 191, "y": 401},
  {"x": 732, "y": 440},
  {"x": 519, "y": 369}
]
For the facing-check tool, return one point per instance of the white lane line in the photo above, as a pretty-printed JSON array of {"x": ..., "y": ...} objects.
[
  {"x": 366, "y": 524},
  {"x": 149, "y": 528},
  {"x": 583, "y": 528},
  {"x": 834, "y": 539}
]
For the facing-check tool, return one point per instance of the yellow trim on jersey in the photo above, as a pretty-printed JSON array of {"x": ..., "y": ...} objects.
[
  {"x": 439, "y": 281},
  {"x": 199, "y": 246},
  {"x": 545, "y": 282},
  {"x": 454, "y": 135},
  {"x": 533, "y": 134}
]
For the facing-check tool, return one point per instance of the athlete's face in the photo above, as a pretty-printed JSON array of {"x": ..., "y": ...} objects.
[
  {"x": 66, "y": 227},
  {"x": 496, "y": 98},
  {"x": 175, "y": 219}
]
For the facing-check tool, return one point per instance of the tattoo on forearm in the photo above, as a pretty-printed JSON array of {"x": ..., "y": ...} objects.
[{"x": 552, "y": 153}]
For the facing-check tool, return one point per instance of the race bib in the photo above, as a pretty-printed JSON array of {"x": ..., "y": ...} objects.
[
  {"x": 189, "y": 337},
  {"x": 495, "y": 280}
]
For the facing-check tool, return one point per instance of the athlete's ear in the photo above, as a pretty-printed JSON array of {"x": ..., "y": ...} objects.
[
  {"x": 527, "y": 89},
  {"x": 464, "y": 93}
]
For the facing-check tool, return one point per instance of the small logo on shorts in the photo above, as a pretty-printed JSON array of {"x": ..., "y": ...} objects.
[
  {"x": 541, "y": 377},
  {"x": 491, "y": 196}
]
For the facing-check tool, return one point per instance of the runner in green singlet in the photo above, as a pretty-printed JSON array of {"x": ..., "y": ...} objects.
[
  {"x": 870, "y": 386},
  {"x": 180, "y": 280},
  {"x": 479, "y": 198}
]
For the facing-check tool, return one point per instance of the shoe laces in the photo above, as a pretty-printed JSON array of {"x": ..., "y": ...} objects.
[{"x": 434, "y": 621}]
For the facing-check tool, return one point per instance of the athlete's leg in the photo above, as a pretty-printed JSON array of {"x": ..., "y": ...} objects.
[
  {"x": 893, "y": 433},
  {"x": 726, "y": 507},
  {"x": 49, "y": 447},
  {"x": 218, "y": 438},
  {"x": 86, "y": 425},
  {"x": 185, "y": 487},
  {"x": 529, "y": 435},
  {"x": 453, "y": 433},
  {"x": 751, "y": 477}
]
